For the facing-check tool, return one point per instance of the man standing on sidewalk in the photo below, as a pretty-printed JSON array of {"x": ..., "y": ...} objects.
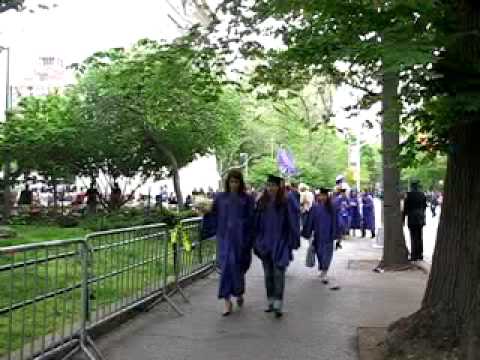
[{"x": 414, "y": 207}]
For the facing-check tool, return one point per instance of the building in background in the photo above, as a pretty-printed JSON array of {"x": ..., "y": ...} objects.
[{"x": 48, "y": 75}]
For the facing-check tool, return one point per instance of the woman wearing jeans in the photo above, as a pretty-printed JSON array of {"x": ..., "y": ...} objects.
[{"x": 277, "y": 234}]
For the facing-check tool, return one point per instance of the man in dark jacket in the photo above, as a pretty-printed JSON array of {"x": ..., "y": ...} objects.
[{"x": 414, "y": 207}]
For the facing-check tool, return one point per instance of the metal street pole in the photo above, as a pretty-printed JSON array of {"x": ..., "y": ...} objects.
[
  {"x": 359, "y": 157},
  {"x": 6, "y": 165}
]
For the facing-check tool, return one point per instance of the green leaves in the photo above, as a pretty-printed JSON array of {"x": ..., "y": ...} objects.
[
  {"x": 130, "y": 111},
  {"x": 40, "y": 135}
]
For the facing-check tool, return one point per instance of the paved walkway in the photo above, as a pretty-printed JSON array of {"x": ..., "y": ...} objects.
[{"x": 318, "y": 323}]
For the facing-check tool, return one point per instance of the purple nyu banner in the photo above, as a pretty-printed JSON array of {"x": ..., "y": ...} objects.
[{"x": 285, "y": 162}]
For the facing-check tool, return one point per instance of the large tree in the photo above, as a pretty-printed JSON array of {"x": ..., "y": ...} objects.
[
  {"x": 297, "y": 120},
  {"x": 298, "y": 124},
  {"x": 433, "y": 47},
  {"x": 169, "y": 96},
  {"x": 363, "y": 44},
  {"x": 449, "y": 317}
]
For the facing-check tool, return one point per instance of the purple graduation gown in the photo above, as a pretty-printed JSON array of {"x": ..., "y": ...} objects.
[
  {"x": 233, "y": 216},
  {"x": 321, "y": 221},
  {"x": 354, "y": 211},
  {"x": 342, "y": 215},
  {"x": 368, "y": 211},
  {"x": 277, "y": 232}
]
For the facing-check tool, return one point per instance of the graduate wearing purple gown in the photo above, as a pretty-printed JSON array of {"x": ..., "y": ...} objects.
[
  {"x": 342, "y": 216},
  {"x": 368, "y": 212},
  {"x": 232, "y": 219},
  {"x": 321, "y": 221},
  {"x": 354, "y": 212},
  {"x": 277, "y": 234}
]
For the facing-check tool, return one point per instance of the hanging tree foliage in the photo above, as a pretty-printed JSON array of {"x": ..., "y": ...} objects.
[{"x": 433, "y": 48}]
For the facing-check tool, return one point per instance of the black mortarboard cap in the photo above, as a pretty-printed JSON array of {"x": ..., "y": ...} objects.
[
  {"x": 324, "y": 190},
  {"x": 274, "y": 179}
]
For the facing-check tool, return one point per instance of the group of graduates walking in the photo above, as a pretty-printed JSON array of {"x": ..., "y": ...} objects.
[
  {"x": 269, "y": 225},
  {"x": 354, "y": 212}
]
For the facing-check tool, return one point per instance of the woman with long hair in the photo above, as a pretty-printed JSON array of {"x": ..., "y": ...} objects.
[
  {"x": 277, "y": 234},
  {"x": 231, "y": 220},
  {"x": 321, "y": 221}
]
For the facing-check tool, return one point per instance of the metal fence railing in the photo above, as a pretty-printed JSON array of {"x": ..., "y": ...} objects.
[
  {"x": 128, "y": 265},
  {"x": 53, "y": 293},
  {"x": 201, "y": 252}
]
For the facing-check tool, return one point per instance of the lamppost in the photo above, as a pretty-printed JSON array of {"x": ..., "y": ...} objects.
[
  {"x": 7, "y": 78},
  {"x": 6, "y": 165}
]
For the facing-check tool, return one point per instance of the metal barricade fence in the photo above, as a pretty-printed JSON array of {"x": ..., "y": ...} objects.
[
  {"x": 128, "y": 266},
  {"x": 187, "y": 255},
  {"x": 42, "y": 297},
  {"x": 52, "y": 293},
  {"x": 200, "y": 254}
]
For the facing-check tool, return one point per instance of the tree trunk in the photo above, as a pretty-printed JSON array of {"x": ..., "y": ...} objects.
[
  {"x": 394, "y": 251},
  {"x": 455, "y": 270},
  {"x": 176, "y": 186},
  {"x": 449, "y": 316},
  {"x": 55, "y": 196},
  {"x": 173, "y": 162},
  {"x": 175, "y": 172}
]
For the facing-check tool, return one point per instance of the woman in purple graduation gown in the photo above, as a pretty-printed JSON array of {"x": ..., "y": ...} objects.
[
  {"x": 277, "y": 234},
  {"x": 368, "y": 212},
  {"x": 341, "y": 204},
  {"x": 354, "y": 210},
  {"x": 232, "y": 219},
  {"x": 321, "y": 221}
]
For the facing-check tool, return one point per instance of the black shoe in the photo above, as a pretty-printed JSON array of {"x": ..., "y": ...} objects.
[
  {"x": 338, "y": 246},
  {"x": 269, "y": 309},
  {"x": 240, "y": 301},
  {"x": 278, "y": 314}
]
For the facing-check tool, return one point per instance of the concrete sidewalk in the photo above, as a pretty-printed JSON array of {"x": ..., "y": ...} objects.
[{"x": 318, "y": 323}]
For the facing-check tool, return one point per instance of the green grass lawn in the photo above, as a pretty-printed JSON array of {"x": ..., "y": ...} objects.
[
  {"x": 124, "y": 266},
  {"x": 27, "y": 234}
]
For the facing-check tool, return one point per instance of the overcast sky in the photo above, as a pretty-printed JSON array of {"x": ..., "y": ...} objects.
[{"x": 77, "y": 28}]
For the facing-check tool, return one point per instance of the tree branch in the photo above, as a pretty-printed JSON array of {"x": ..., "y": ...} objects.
[{"x": 362, "y": 88}]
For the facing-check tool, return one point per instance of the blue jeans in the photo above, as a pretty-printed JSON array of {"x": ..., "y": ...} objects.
[{"x": 274, "y": 283}]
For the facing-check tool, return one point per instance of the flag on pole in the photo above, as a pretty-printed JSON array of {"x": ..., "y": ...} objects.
[{"x": 286, "y": 163}]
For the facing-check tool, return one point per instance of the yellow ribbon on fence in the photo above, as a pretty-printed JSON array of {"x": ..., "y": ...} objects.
[
  {"x": 179, "y": 233},
  {"x": 174, "y": 236}
]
